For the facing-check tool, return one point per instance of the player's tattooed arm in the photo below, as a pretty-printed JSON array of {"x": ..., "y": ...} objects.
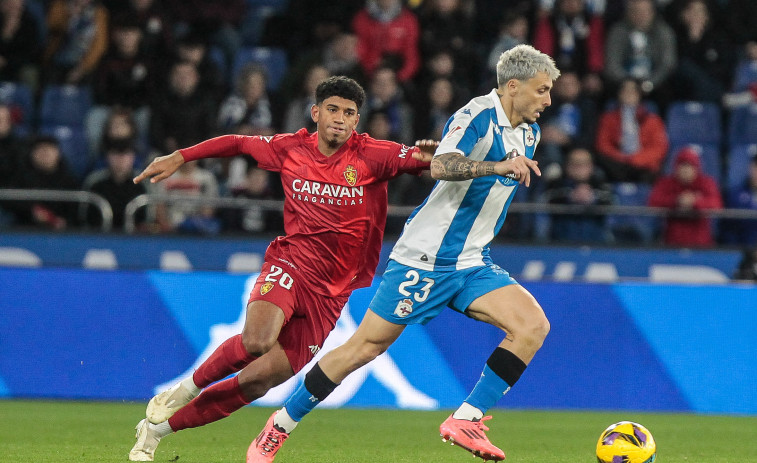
[{"x": 454, "y": 166}]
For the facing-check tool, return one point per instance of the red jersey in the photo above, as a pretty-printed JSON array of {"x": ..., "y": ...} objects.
[{"x": 335, "y": 206}]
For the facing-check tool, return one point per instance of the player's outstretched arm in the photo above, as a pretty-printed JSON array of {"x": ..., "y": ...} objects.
[
  {"x": 456, "y": 167},
  {"x": 427, "y": 149},
  {"x": 161, "y": 168}
]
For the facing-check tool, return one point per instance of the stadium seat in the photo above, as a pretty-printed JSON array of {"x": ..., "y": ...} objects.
[
  {"x": 739, "y": 157},
  {"x": 690, "y": 122},
  {"x": 19, "y": 98},
  {"x": 710, "y": 156},
  {"x": 744, "y": 75},
  {"x": 73, "y": 146},
  {"x": 632, "y": 228},
  {"x": 273, "y": 59},
  {"x": 64, "y": 105},
  {"x": 742, "y": 126}
]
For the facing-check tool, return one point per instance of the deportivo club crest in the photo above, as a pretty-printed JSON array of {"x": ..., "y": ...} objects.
[
  {"x": 267, "y": 286},
  {"x": 350, "y": 174},
  {"x": 530, "y": 139},
  {"x": 404, "y": 308}
]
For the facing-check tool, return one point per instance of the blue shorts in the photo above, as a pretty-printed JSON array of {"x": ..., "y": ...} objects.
[{"x": 407, "y": 295}]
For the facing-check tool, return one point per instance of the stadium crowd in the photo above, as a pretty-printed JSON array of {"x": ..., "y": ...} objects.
[{"x": 656, "y": 105}]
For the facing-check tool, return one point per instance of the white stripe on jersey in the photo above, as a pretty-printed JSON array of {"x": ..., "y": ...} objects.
[{"x": 453, "y": 227}]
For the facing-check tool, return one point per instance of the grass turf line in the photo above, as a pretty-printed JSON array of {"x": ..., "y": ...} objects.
[{"x": 83, "y": 432}]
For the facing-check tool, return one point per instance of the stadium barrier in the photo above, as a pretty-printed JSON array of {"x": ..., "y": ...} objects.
[
  {"x": 146, "y": 200},
  {"x": 123, "y": 335},
  {"x": 68, "y": 196},
  {"x": 244, "y": 254}
]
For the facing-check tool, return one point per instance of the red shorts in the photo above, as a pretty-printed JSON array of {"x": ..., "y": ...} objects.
[{"x": 310, "y": 316}]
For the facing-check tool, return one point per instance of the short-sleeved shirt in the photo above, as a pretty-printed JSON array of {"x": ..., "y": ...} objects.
[
  {"x": 453, "y": 227},
  {"x": 335, "y": 206}
]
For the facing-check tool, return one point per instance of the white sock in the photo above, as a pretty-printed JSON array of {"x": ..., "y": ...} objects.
[
  {"x": 161, "y": 429},
  {"x": 189, "y": 384},
  {"x": 284, "y": 421},
  {"x": 467, "y": 412}
]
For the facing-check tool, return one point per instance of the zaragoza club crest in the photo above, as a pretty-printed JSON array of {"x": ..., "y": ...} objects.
[
  {"x": 267, "y": 286},
  {"x": 350, "y": 174}
]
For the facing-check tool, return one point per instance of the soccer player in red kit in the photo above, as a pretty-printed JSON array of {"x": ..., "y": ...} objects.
[{"x": 335, "y": 182}]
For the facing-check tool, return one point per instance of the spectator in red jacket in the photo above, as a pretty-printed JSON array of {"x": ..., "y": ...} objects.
[
  {"x": 631, "y": 140},
  {"x": 388, "y": 33},
  {"x": 687, "y": 192}
]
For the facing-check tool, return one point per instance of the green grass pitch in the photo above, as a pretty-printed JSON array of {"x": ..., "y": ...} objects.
[{"x": 83, "y": 432}]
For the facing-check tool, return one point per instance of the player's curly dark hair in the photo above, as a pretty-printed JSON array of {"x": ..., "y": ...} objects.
[{"x": 340, "y": 86}]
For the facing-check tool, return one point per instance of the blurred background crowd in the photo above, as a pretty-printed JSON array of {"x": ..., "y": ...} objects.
[{"x": 656, "y": 105}]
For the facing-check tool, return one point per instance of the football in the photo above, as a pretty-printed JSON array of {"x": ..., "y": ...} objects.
[{"x": 626, "y": 442}]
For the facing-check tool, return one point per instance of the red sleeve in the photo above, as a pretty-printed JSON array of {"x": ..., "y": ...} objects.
[
  {"x": 412, "y": 60},
  {"x": 710, "y": 197},
  {"x": 366, "y": 53},
  {"x": 393, "y": 159},
  {"x": 607, "y": 136},
  {"x": 544, "y": 36},
  {"x": 595, "y": 44},
  {"x": 265, "y": 150},
  {"x": 654, "y": 144},
  {"x": 664, "y": 193}
]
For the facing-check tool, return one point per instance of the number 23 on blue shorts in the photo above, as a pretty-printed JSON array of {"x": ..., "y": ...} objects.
[{"x": 409, "y": 295}]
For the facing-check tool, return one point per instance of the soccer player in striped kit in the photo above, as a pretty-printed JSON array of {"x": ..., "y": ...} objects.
[{"x": 442, "y": 258}]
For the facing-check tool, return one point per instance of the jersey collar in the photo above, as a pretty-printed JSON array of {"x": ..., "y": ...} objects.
[{"x": 502, "y": 119}]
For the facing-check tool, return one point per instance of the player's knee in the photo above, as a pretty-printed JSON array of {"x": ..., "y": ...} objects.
[
  {"x": 256, "y": 344},
  {"x": 537, "y": 331}
]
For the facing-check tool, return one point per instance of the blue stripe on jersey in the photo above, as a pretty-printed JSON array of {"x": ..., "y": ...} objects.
[
  {"x": 454, "y": 240},
  {"x": 481, "y": 125}
]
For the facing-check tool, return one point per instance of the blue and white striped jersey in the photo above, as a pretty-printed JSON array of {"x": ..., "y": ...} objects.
[{"x": 454, "y": 226}]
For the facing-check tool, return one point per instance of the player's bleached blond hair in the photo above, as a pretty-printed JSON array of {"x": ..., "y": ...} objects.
[{"x": 522, "y": 62}]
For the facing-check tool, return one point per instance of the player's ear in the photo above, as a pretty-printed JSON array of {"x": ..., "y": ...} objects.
[
  {"x": 511, "y": 87},
  {"x": 315, "y": 112}
]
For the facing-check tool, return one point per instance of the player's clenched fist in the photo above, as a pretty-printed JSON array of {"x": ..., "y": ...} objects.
[
  {"x": 519, "y": 168},
  {"x": 161, "y": 168}
]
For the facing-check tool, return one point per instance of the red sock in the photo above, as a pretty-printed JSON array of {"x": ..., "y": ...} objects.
[
  {"x": 218, "y": 401},
  {"x": 230, "y": 357}
]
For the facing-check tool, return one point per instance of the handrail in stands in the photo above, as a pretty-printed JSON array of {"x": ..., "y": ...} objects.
[
  {"x": 404, "y": 211},
  {"x": 73, "y": 196},
  {"x": 238, "y": 203}
]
